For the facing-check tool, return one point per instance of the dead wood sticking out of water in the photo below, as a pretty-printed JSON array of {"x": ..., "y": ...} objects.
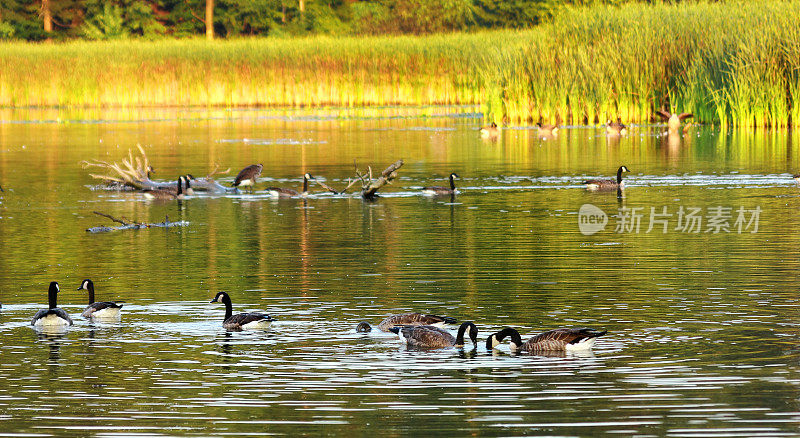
[
  {"x": 127, "y": 224},
  {"x": 370, "y": 187}
]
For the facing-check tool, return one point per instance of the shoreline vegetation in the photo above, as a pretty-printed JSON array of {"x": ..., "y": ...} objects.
[{"x": 730, "y": 63}]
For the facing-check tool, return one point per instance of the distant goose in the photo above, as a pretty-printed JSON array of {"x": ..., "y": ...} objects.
[
  {"x": 248, "y": 176},
  {"x": 413, "y": 319},
  {"x": 796, "y": 178},
  {"x": 99, "y": 310},
  {"x": 490, "y": 131},
  {"x": 547, "y": 130},
  {"x": 427, "y": 336},
  {"x": 363, "y": 327},
  {"x": 607, "y": 184},
  {"x": 281, "y": 192},
  {"x": 52, "y": 316},
  {"x": 616, "y": 128},
  {"x": 167, "y": 194},
  {"x": 673, "y": 119},
  {"x": 562, "y": 339},
  {"x": 241, "y": 321},
  {"x": 439, "y": 190}
]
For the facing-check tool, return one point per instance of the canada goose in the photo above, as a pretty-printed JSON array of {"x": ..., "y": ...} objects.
[
  {"x": 607, "y": 184},
  {"x": 363, "y": 327},
  {"x": 439, "y": 190},
  {"x": 547, "y": 130},
  {"x": 167, "y": 194},
  {"x": 616, "y": 128},
  {"x": 52, "y": 316},
  {"x": 281, "y": 192},
  {"x": 673, "y": 119},
  {"x": 796, "y": 178},
  {"x": 491, "y": 131},
  {"x": 241, "y": 321},
  {"x": 414, "y": 319},
  {"x": 428, "y": 336},
  {"x": 99, "y": 310},
  {"x": 248, "y": 176},
  {"x": 562, "y": 339},
  {"x": 187, "y": 186}
]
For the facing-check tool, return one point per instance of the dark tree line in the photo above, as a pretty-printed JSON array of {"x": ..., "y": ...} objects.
[{"x": 109, "y": 19}]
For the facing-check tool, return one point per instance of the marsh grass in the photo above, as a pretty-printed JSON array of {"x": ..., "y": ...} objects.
[{"x": 734, "y": 63}]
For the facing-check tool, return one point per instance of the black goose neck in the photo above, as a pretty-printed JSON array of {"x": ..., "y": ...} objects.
[
  {"x": 452, "y": 182},
  {"x": 52, "y": 295},
  {"x": 180, "y": 186},
  {"x": 228, "y": 307},
  {"x": 305, "y": 184},
  {"x": 90, "y": 287},
  {"x": 473, "y": 333},
  {"x": 619, "y": 175}
]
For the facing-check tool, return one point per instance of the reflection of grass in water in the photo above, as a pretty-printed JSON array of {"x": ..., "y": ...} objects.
[{"x": 731, "y": 63}]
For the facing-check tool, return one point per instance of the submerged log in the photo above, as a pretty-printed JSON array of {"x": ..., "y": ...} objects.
[{"x": 128, "y": 225}]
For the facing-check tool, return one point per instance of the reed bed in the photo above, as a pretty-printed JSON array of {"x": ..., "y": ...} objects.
[{"x": 733, "y": 63}]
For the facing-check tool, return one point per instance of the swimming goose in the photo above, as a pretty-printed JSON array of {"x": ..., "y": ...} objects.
[
  {"x": 673, "y": 119},
  {"x": 563, "y": 339},
  {"x": 796, "y": 178},
  {"x": 439, "y": 190},
  {"x": 167, "y": 194},
  {"x": 241, "y": 321},
  {"x": 490, "y": 131},
  {"x": 187, "y": 186},
  {"x": 52, "y": 316},
  {"x": 547, "y": 130},
  {"x": 363, "y": 327},
  {"x": 616, "y": 128},
  {"x": 99, "y": 310},
  {"x": 414, "y": 319},
  {"x": 248, "y": 176},
  {"x": 607, "y": 184},
  {"x": 280, "y": 192},
  {"x": 428, "y": 336}
]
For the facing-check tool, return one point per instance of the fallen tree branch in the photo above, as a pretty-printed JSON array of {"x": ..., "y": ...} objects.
[{"x": 126, "y": 225}]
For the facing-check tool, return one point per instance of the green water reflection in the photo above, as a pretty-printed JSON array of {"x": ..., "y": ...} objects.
[{"x": 702, "y": 326}]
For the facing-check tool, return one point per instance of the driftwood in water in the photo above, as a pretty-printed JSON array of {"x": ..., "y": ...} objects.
[
  {"x": 135, "y": 172},
  {"x": 370, "y": 187},
  {"x": 129, "y": 225}
]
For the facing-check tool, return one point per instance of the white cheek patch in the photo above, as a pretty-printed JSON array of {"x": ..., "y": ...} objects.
[{"x": 495, "y": 342}]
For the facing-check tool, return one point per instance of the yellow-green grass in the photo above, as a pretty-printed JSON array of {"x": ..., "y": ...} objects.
[{"x": 734, "y": 63}]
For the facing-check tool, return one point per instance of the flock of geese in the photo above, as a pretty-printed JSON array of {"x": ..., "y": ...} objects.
[
  {"x": 417, "y": 330},
  {"x": 617, "y": 128}
]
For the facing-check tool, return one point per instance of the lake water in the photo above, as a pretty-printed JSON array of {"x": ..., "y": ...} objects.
[{"x": 703, "y": 326}]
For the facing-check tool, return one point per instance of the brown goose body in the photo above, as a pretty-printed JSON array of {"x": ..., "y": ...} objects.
[
  {"x": 282, "y": 192},
  {"x": 673, "y": 119},
  {"x": 607, "y": 184},
  {"x": 546, "y": 129},
  {"x": 491, "y": 131},
  {"x": 616, "y": 128},
  {"x": 562, "y": 339},
  {"x": 169, "y": 193},
  {"x": 248, "y": 176},
  {"x": 414, "y": 319},
  {"x": 427, "y": 336},
  {"x": 439, "y": 190}
]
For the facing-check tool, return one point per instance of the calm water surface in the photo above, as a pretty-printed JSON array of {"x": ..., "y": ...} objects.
[{"x": 702, "y": 326}]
